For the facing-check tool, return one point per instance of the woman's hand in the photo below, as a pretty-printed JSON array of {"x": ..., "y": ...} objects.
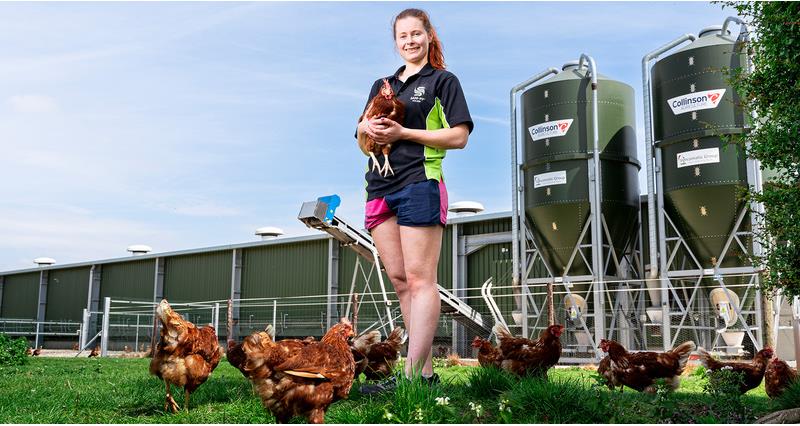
[{"x": 385, "y": 131}]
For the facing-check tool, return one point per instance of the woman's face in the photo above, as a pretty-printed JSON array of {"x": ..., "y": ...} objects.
[{"x": 411, "y": 39}]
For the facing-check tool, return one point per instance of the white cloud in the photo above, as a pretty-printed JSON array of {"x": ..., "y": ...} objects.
[
  {"x": 33, "y": 104},
  {"x": 492, "y": 120}
]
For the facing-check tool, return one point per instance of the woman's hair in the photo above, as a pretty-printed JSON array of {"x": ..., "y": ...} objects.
[{"x": 435, "y": 54}]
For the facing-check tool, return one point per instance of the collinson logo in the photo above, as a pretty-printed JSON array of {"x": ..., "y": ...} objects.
[
  {"x": 689, "y": 102},
  {"x": 550, "y": 129}
]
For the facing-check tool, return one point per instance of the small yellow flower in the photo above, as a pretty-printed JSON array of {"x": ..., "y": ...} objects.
[
  {"x": 418, "y": 415},
  {"x": 387, "y": 415},
  {"x": 443, "y": 400}
]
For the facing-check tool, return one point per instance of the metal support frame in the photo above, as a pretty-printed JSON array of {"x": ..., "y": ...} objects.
[
  {"x": 459, "y": 274},
  {"x": 41, "y": 307},
  {"x": 236, "y": 293},
  {"x": 104, "y": 332},
  {"x": 333, "y": 282}
]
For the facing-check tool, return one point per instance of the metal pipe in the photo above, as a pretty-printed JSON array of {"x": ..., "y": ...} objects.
[
  {"x": 515, "y": 185},
  {"x": 597, "y": 211},
  {"x": 104, "y": 336},
  {"x": 648, "y": 146}
]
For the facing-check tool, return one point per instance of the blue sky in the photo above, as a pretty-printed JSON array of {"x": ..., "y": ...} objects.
[{"x": 185, "y": 125}]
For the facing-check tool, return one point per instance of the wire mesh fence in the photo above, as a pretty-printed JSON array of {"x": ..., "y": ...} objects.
[{"x": 625, "y": 311}]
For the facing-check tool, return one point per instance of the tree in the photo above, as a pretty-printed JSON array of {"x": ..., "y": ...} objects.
[{"x": 772, "y": 91}]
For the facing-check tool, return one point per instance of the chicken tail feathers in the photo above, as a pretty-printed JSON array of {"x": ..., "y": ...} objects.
[
  {"x": 366, "y": 340},
  {"x": 501, "y": 332},
  {"x": 398, "y": 335},
  {"x": 682, "y": 351},
  {"x": 707, "y": 360},
  {"x": 305, "y": 374}
]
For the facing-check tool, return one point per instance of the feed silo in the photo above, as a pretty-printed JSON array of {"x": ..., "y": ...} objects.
[
  {"x": 574, "y": 126},
  {"x": 699, "y": 219}
]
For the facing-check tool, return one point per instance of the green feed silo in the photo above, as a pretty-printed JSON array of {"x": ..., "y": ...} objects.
[
  {"x": 694, "y": 109},
  {"x": 557, "y": 115}
]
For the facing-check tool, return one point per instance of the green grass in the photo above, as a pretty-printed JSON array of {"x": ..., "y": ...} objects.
[{"x": 81, "y": 390}]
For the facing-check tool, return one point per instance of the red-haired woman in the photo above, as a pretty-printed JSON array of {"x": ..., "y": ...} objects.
[{"x": 406, "y": 211}]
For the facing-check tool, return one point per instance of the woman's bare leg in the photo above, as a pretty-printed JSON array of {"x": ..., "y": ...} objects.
[
  {"x": 421, "y": 247},
  {"x": 387, "y": 239}
]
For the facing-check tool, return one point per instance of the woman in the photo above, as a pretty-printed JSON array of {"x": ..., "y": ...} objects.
[{"x": 406, "y": 211}]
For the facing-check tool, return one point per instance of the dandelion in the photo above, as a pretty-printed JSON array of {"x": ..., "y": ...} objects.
[
  {"x": 477, "y": 408},
  {"x": 443, "y": 400},
  {"x": 418, "y": 415},
  {"x": 504, "y": 406}
]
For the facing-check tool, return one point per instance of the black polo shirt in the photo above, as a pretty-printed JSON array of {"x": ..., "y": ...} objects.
[{"x": 434, "y": 100}]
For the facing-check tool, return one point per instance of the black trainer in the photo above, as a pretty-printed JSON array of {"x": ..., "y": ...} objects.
[
  {"x": 388, "y": 385},
  {"x": 433, "y": 380}
]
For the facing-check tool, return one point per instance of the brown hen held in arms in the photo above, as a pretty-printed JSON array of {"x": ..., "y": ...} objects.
[{"x": 384, "y": 105}]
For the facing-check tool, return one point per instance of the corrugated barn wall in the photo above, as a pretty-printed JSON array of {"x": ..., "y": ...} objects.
[
  {"x": 132, "y": 280},
  {"x": 197, "y": 277},
  {"x": 67, "y": 292},
  {"x": 20, "y": 296}
]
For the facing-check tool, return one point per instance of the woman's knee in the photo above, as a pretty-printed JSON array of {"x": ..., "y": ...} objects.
[
  {"x": 419, "y": 284},
  {"x": 400, "y": 283}
]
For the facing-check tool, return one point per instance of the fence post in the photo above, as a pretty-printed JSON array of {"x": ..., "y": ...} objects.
[
  {"x": 84, "y": 329},
  {"x": 275, "y": 317},
  {"x": 104, "y": 336},
  {"x": 136, "y": 342},
  {"x": 216, "y": 318}
]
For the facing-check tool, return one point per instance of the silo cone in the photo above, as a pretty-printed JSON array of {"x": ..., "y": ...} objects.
[
  {"x": 557, "y": 116},
  {"x": 703, "y": 177}
]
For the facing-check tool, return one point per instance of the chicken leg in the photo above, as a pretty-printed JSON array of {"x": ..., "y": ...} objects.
[
  {"x": 170, "y": 403},
  {"x": 386, "y": 167},
  {"x": 186, "y": 401},
  {"x": 375, "y": 164}
]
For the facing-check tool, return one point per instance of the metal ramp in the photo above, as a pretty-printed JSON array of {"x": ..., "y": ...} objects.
[{"x": 320, "y": 214}]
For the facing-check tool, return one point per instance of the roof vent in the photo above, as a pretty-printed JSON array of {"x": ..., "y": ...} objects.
[
  {"x": 44, "y": 261},
  {"x": 269, "y": 232},
  {"x": 466, "y": 208},
  {"x": 139, "y": 249}
]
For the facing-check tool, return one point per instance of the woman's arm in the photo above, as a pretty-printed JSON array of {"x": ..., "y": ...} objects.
[{"x": 385, "y": 131}]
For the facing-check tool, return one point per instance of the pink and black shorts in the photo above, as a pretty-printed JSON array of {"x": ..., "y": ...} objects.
[{"x": 417, "y": 204}]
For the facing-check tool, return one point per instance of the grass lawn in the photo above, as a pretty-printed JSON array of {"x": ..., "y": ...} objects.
[{"x": 114, "y": 390}]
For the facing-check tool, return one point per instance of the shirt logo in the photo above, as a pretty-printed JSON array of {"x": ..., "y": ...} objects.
[
  {"x": 707, "y": 99},
  {"x": 419, "y": 94}
]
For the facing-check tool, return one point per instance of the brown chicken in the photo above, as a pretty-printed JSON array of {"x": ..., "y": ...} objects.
[
  {"x": 75, "y": 347},
  {"x": 639, "y": 370},
  {"x": 29, "y": 351},
  {"x": 360, "y": 347},
  {"x": 185, "y": 355},
  {"x": 95, "y": 352},
  {"x": 488, "y": 355},
  {"x": 778, "y": 377},
  {"x": 235, "y": 353},
  {"x": 606, "y": 372},
  {"x": 523, "y": 356},
  {"x": 37, "y": 351},
  {"x": 384, "y": 105},
  {"x": 383, "y": 356},
  {"x": 753, "y": 371},
  {"x": 301, "y": 382}
]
